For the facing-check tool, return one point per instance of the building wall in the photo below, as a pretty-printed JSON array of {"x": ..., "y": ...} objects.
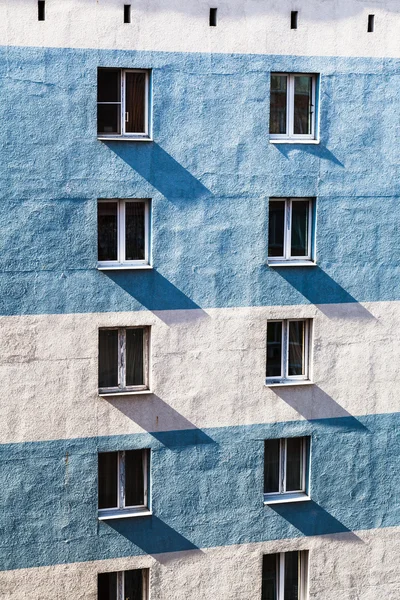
[{"x": 209, "y": 173}]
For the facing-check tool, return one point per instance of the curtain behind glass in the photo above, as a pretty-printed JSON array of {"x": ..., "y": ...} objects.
[
  {"x": 299, "y": 241},
  {"x": 135, "y": 102},
  {"x": 271, "y": 466},
  {"x": 274, "y": 349},
  {"x": 108, "y": 358},
  {"x": 108, "y": 479},
  {"x": 302, "y": 104},
  {"x": 291, "y": 576},
  {"x": 107, "y": 223},
  {"x": 134, "y": 357},
  {"x": 278, "y": 104},
  {"x": 109, "y": 92},
  {"x": 133, "y": 585},
  {"x": 276, "y": 225},
  {"x": 134, "y": 480},
  {"x": 134, "y": 231},
  {"x": 107, "y": 586},
  {"x": 296, "y": 348},
  {"x": 294, "y": 454},
  {"x": 269, "y": 578}
]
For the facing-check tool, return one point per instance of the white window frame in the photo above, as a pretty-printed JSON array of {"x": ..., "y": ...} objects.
[
  {"x": 290, "y": 135},
  {"x": 122, "y": 388},
  {"x": 294, "y": 495},
  {"x": 303, "y": 575},
  {"x": 121, "y": 583},
  {"x": 285, "y": 378},
  {"x": 287, "y": 259},
  {"x": 147, "y": 134},
  {"x": 122, "y": 510},
  {"x": 121, "y": 263}
]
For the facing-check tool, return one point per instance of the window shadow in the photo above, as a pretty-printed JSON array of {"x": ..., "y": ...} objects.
[
  {"x": 316, "y": 405},
  {"x": 161, "y": 170},
  {"x": 311, "y": 519},
  {"x": 319, "y": 288},
  {"x": 151, "y": 535},
  {"x": 317, "y": 150},
  {"x": 162, "y": 421}
]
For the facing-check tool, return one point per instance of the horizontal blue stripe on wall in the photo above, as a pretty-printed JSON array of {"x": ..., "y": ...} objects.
[
  {"x": 210, "y": 172},
  {"x": 207, "y": 491}
]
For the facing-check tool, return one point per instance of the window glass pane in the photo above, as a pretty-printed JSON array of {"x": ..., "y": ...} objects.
[
  {"x": 269, "y": 578},
  {"x": 294, "y": 464},
  {"x": 135, "y": 102},
  {"x": 274, "y": 349},
  {"x": 277, "y": 118},
  {"x": 108, "y": 85},
  {"x": 276, "y": 226},
  {"x": 108, "y": 480},
  {"x": 271, "y": 466},
  {"x": 107, "y": 230},
  {"x": 302, "y": 104},
  {"x": 107, "y": 586},
  {"x": 291, "y": 576},
  {"x": 299, "y": 241},
  {"x": 133, "y": 585},
  {"x": 135, "y": 232},
  {"x": 134, "y": 481},
  {"x": 108, "y": 118},
  {"x": 108, "y": 358},
  {"x": 296, "y": 348},
  {"x": 134, "y": 367}
]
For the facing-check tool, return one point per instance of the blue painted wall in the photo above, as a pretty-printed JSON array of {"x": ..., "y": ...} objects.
[
  {"x": 209, "y": 172},
  {"x": 207, "y": 491}
]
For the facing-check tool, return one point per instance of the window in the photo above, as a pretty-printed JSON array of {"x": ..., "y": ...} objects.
[
  {"x": 290, "y": 231},
  {"x": 123, "y": 484},
  {"x": 123, "y": 233},
  {"x": 123, "y": 360},
  {"x": 285, "y": 576},
  {"x": 288, "y": 352},
  {"x": 123, "y": 103},
  {"x": 292, "y": 106},
  {"x": 286, "y": 464},
  {"x": 124, "y": 585}
]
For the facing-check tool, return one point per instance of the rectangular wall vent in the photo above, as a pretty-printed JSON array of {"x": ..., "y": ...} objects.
[
  {"x": 371, "y": 23},
  {"x": 213, "y": 17},
  {"x": 41, "y": 6},
  {"x": 293, "y": 19},
  {"x": 127, "y": 13}
]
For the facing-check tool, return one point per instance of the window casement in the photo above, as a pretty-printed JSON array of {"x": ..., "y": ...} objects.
[
  {"x": 292, "y": 106},
  {"x": 123, "y": 585},
  {"x": 123, "y": 483},
  {"x": 291, "y": 231},
  {"x": 123, "y": 233},
  {"x": 288, "y": 352},
  {"x": 123, "y": 360},
  {"x": 123, "y": 104},
  {"x": 285, "y": 576},
  {"x": 286, "y": 470}
]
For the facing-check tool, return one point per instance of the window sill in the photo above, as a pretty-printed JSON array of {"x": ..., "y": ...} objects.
[
  {"x": 291, "y": 263},
  {"x": 125, "y": 393},
  {"x": 288, "y": 382},
  {"x": 124, "y": 267},
  {"x": 285, "y": 498},
  {"x": 106, "y": 515},
  {"x": 123, "y": 138},
  {"x": 293, "y": 141}
]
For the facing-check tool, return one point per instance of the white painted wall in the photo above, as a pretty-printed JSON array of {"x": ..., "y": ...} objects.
[
  {"x": 326, "y": 27},
  {"x": 353, "y": 566},
  {"x": 207, "y": 370}
]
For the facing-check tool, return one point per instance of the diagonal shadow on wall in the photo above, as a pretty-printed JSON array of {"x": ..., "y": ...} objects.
[
  {"x": 161, "y": 170},
  {"x": 311, "y": 519},
  {"x": 312, "y": 403},
  {"x": 317, "y": 150},
  {"x": 162, "y": 421}
]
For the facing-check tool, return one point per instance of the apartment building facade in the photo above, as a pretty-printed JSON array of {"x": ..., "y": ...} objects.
[{"x": 200, "y": 300}]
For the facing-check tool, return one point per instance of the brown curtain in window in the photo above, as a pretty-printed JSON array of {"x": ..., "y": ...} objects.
[{"x": 135, "y": 103}]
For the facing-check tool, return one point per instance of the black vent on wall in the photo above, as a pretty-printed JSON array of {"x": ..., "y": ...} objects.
[
  {"x": 41, "y": 6},
  {"x": 371, "y": 23},
  {"x": 293, "y": 19},
  {"x": 213, "y": 17},
  {"x": 127, "y": 13}
]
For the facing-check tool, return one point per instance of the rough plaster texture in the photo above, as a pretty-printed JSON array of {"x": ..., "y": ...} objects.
[
  {"x": 326, "y": 27},
  {"x": 355, "y": 566},
  {"x": 207, "y": 369}
]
